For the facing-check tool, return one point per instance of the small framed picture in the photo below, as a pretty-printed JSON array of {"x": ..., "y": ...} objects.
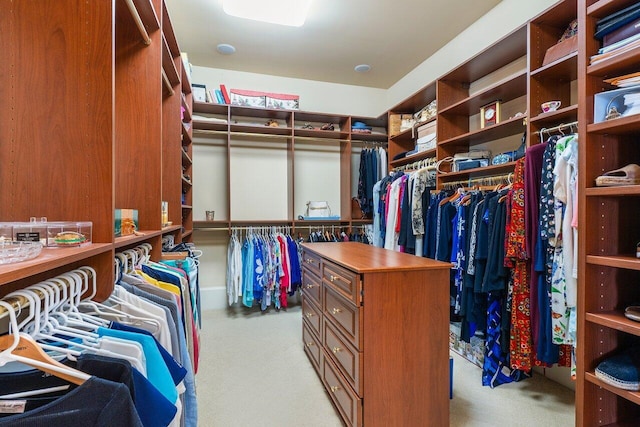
[
  {"x": 490, "y": 114},
  {"x": 199, "y": 92}
]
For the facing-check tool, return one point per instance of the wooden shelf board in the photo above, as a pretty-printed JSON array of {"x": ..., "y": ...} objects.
[
  {"x": 626, "y": 394},
  {"x": 615, "y": 320},
  {"x": 567, "y": 114},
  {"x": 187, "y": 109},
  {"x": 362, "y": 221},
  {"x": 414, "y": 158},
  {"x": 186, "y": 84},
  {"x": 556, "y": 15},
  {"x": 623, "y": 190},
  {"x": 147, "y": 15},
  {"x": 133, "y": 239},
  {"x": 418, "y": 100},
  {"x": 210, "y": 224},
  {"x": 260, "y": 112},
  {"x": 312, "y": 222},
  {"x": 380, "y": 122},
  {"x": 171, "y": 228},
  {"x": 186, "y": 207},
  {"x": 503, "y": 52},
  {"x": 48, "y": 259},
  {"x": 321, "y": 134},
  {"x": 602, "y": 8},
  {"x": 169, "y": 33},
  {"x": 490, "y": 133},
  {"x": 369, "y": 137},
  {"x": 186, "y": 182},
  {"x": 617, "y": 261},
  {"x": 616, "y": 65},
  {"x": 210, "y": 108},
  {"x": 478, "y": 172},
  {"x": 187, "y": 233},
  {"x": 564, "y": 69},
  {"x": 405, "y": 135},
  {"x": 186, "y": 157},
  {"x": 305, "y": 116},
  {"x": 186, "y": 136},
  {"x": 505, "y": 90},
  {"x": 253, "y": 130},
  {"x": 620, "y": 126},
  {"x": 168, "y": 64},
  {"x": 206, "y": 125}
]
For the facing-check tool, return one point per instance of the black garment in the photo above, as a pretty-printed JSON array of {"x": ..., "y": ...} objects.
[
  {"x": 406, "y": 237},
  {"x": 96, "y": 403}
]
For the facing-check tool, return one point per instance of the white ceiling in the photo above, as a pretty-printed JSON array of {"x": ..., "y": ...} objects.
[{"x": 393, "y": 36}]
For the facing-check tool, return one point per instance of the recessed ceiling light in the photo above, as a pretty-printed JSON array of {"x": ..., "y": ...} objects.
[
  {"x": 225, "y": 49},
  {"x": 283, "y": 12},
  {"x": 362, "y": 68}
]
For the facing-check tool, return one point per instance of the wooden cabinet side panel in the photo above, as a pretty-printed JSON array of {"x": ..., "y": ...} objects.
[
  {"x": 406, "y": 329},
  {"x": 138, "y": 146},
  {"x": 56, "y": 119}
]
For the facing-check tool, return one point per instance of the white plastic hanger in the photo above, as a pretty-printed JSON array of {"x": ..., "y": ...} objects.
[{"x": 20, "y": 347}]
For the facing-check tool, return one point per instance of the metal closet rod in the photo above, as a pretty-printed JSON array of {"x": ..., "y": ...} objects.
[
  {"x": 558, "y": 128},
  {"x": 486, "y": 180}
]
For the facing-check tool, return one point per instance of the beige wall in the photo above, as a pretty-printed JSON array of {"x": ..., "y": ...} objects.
[{"x": 210, "y": 175}]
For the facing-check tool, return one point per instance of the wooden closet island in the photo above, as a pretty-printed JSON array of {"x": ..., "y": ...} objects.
[{"x": 376, "y": 329}]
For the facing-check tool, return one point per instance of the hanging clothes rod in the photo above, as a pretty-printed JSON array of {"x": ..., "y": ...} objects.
[
  {"x": 487, "y": 180},
  {"x": 558, "y": 128},
  {"x": 430, "y": 161}
]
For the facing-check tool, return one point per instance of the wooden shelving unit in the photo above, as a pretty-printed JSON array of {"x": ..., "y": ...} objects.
[
  {"x": 608, "y": 229},
  {"x": 461, "y": 93},
  {"x": 109, "y": 151},
  {"x": 292, "y": 135}
]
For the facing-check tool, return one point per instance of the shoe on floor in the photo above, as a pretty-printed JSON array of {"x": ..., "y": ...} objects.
[{"x": 628, "y": 175}]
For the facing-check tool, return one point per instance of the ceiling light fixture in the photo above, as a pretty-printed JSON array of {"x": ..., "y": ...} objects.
[
  {"x": 362, "y": 68},
  {"x": 283, "y": 12},
  {"x": 225, "y": 49}
]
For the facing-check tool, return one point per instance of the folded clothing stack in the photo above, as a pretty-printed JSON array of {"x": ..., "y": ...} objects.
[{"x": 360, "y": 127}]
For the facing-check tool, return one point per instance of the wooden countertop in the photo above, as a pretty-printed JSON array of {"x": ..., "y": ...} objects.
[{"x": 363, "y": 258}]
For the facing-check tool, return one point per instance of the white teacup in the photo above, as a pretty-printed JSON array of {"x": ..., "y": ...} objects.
[{"x": 550, "y": 106}]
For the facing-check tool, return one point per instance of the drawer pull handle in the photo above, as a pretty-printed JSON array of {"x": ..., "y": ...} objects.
[
  {"x": 332, "y": 278},
  {"x": 309, "y": 286},
  {"x": 310, "y": 344},
  {"x": 335, "y": 310},
  {"x": 334, "y": 388},
  {"x": 336, "y": 350},
  {"x": 309, "y": 315},
  {"x": 309, "y": 260}
]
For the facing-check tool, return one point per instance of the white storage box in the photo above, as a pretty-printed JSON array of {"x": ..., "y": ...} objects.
[{"x": 605, "y": 101}]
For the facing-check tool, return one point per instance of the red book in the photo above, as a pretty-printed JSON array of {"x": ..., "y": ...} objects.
[{"x": 225, "y": 94}]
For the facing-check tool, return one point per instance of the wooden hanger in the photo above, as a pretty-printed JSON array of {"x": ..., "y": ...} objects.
[
  {"x": 27, "y": 351},
  {"x": 20, "y": 347}
]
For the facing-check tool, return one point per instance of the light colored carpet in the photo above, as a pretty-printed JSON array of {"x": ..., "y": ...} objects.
[{"x": 253, "y": 372}]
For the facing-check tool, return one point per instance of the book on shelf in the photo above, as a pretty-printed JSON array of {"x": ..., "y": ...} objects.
[
  {"x": 219, "y": 97},
  {"x": 225, "y": 94},
  {"x": 209, "y": 97}
]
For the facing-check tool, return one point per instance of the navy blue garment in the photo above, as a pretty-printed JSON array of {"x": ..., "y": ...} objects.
[
  {"x": 443, "y": 247},
  {"x": 95, "y": 403},
  {"x": 406, "y": 238},
  {"x": 152, "y": 407},
  {"x": 294, "y": 261},
  {"x": 495, "y": 369}
]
